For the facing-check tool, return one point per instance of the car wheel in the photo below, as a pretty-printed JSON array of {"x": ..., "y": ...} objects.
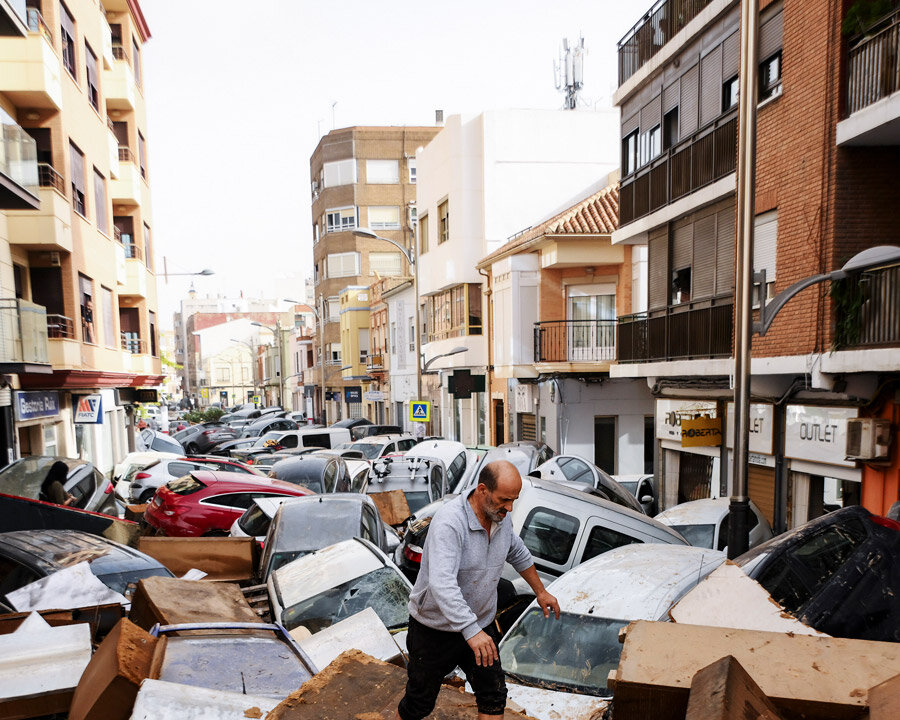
[
  {"x": 215, "y": 533},
  {"x": 192, "y": 449},
  {"x": 146, "y": 496}
]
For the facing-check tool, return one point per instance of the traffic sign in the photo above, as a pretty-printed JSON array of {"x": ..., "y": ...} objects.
[{"x": 420, "y": 411}]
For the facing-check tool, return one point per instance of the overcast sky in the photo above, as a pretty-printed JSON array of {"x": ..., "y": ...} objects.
[{"x": 239, "y": 93}]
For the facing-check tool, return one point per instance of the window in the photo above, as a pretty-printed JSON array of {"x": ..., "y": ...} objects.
[
  {"x": 382, "y": 172},
  {"x": 136, "y": 49},
  {"x": 151, "y": 316},
  {"x": 109, "y": 331},
  {"x": 443, "y": 222},
  {"x": 730, "y": 93},
  {"x": 77, "y": 160},
  {"x": 67, "y": 24},
  {"x": 650, "y": 146},
  {"x": 334, "y": 354},
  {"x": 393, "y": 338},
  {"x": 423, "y": 234},
  {"x": 411, "y": 166},
  {"x": 334, "y": 309},
  {"x": 142, "y": 155},
  {"x": 454, "y": 313},
  {"x": 681, "y": 286},
  {"x": 343, "y": 264},
  {"x": 770, "y": 77},
  {"x": 629, "y": 153},
  {"x": 384, "y": 218},
  {"x": 223, "y": 374},
  {"x": 100, "y": 202},
  {"x": 86, "y": 290},
  {"x": 147, "y": 248},
  {"x": 412, "y": 334},
  {"x": 385, "y": 264},
  {"x": 550, "y": 535},
  {"x": 340, "y": 219},
  {"x": 315, "y": 232},
  {"x": 90, "y": 61},
  {"x": 605, "y": 441},
  {"x": 602, "y": 539},
  {"x": 670, "y": 128},
  {"x": 765, "y": 243},
  {"x": 339, "y": 172}
]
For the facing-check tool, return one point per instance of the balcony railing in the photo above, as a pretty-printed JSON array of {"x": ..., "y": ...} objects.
[
  {"x": 133, "y": 345},
  {"x": 36, "y": 24},
  {"x": 23, "y": 332},
  {"x": 575, "y": 341},
  {"x": 126, "y": 155},
  {"x": 660, "y": 24},
  {"x": 119, "y": 53},
  {"x": 375, "y": 362},
  {"x": 698, "y": 330},
  {"x": 705, "y": 157},
  {"x": 60, "y": 327},
  {"x": 18, "y": 156},
  {"x": 132, "y": 251},
  {"x": 50, "y": 178},
  {"x": 878, "y": 320},
  {"x": 874, "y": 64}
]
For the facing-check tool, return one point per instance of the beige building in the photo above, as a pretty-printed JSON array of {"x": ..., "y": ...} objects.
[
  {"x": 362, "y": 177},
  {"x": 83, "y": 250}
]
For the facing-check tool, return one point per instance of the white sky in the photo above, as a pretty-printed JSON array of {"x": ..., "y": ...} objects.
[{"x": 239, "y": 93}]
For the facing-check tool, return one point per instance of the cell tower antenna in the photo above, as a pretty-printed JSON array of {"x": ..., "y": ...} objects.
[{"x": 569, "y": 72}]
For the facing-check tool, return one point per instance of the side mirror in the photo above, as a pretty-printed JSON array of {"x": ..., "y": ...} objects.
[{"x": 647, "y": 499}]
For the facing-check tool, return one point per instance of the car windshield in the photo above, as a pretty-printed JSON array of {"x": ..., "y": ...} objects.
[
  {"x": 574, "y": 653},
  {"x": 697, "y": 535},
  {"x": 185, "y": 485},
  {"x": 629, "y": 486},
  {"x": 383, "y": 590},
  {"x": 370, "y": 451},
  {"x": 416, "y": 500},
  {"x": 268, "y": 439},
  {"x": 24, "y": 477}
]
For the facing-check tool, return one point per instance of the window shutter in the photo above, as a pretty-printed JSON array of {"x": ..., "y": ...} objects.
[
  {"x": 67, "y": 21},
  {"x": 384, "y": 218},
  {"x": 682, "y": 242},
  {"x": 731, "y": 55},
  {"x": 725, "y": 251},
  {"x": 386, "y": 264},
  {"x": 771, "y": 32},
  {"x": 77, "y": 167},
  {"x": 690, "y": 82},
  {"x": 340, "y": 172},
  {"x": 711, "y": 86},
  {"x": 631, "y": 124},
  {"x": 650, "y": 114},
  {"x": 703, "y": 273},
  {"x": 765, "y": 242},
  {"x": 670, "y": 96},
  {"x": 658, "y": 268},
  {"x": 382, "y": 171}
]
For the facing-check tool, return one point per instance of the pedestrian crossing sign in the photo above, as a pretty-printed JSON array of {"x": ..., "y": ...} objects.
[{"x": 420, "y": 411}]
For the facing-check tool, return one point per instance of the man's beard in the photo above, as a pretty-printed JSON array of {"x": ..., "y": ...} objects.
[{"x": 495, "y": 513}]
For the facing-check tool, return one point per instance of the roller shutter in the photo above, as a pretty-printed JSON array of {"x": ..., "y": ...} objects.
[
  {"x": 703, "y": 273},
  {"x": 690, "y": 83},
  {"x": 658, "y": 268},
  {"x": 711, "y": 86},
  {"x": 765, "y": 243},
  {"x": 650, "y": 114},
  {"x": 761, "y": 489},
  {"x": 771, "y": 32},
  {"x": 671, "y": 96},
  {"x": 725, "y": 251},
  {"x": 682, "y": 245},
  {"x": 731, "y": 56}
]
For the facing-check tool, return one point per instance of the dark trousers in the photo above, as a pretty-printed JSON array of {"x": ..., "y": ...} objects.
[{"x": 435, "y": 653}]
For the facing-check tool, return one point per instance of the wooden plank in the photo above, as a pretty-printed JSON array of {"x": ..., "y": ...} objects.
[
  {"x": 884, "y": 700},
  {"x": 821, "y": 677},
  {"x": 169, "y": 601},
  {"x": 724, "y": 691},
  {"x": 221, "y": 558}
]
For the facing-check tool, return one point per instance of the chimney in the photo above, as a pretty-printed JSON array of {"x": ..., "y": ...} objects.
[{"x": 439, "y": 117}]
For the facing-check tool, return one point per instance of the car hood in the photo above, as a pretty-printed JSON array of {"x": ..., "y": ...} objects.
[{"x": 544, "y": 704}]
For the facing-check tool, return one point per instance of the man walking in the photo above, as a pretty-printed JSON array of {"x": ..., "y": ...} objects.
[{"x": 454, "y": 601}]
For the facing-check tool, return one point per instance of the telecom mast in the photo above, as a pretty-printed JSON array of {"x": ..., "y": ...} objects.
[{"x": 569, "y": 72}]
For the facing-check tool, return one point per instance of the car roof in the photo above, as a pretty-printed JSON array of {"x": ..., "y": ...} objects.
[
  {"x": 55, "y": 549},
  {"x": 634, "y": 582},
  {"x": 350, "y": 422},
  {"x": 443, "y": 449},
  {"x": 379, "y": 439},
  {"x": 706, "y": 511},
  {"x": 221, "y": 480}
]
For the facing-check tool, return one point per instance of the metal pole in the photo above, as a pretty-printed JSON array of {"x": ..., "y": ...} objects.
[
  {"x": 280, "y": 338},
  {"x": 322, "y": 363},
  {"x": 743, "y": 306}
]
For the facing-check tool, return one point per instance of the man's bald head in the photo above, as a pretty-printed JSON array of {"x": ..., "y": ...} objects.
[{"x": 497, "y": 473}]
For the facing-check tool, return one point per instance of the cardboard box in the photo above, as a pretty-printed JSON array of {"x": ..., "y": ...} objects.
[
  {"x": 392, "y": 505},
  {"x": 170, "y": 601},
  {"x": 101, "y": 618},
  {"x": 221, "y": 558}
]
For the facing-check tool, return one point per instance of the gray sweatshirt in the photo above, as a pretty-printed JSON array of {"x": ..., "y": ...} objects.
[{"x": 456, "y": 589}]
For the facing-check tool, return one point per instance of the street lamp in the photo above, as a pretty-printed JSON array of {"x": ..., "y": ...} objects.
[
  {"x": 454, "y": 351},
  {"x": 410, "y": 256},
  {"x": 278, "y": 342},
  {"x": 739, "y": 508},
  {"x": 167, "y": 274}
]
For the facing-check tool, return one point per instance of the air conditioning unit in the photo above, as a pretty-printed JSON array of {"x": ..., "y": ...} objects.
[{"x": 868, "y": 439}]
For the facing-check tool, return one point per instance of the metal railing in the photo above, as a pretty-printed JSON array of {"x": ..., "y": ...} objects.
[
  {"x": 23, "y": 332},
  {"x": 873, "y": 69},
  {"x": 132, "y": 251},
  {"x": 126, "y": 155},
  {"x": 705, "y": 157},
  {"x": 575, "y": 341},
  {"x": 36, "y": 23},
  {"x": 119, "y": 53},
  {"x": 60, "y": 327},
  {"x": 879, "y": 314},
  {"x": 375, "y": 362},
  {"x": 661, "y": 23},
  {"x": 133, "y": 345},
  {"x": 697, "y": 330},
  {"x": 49, "y": 177}
]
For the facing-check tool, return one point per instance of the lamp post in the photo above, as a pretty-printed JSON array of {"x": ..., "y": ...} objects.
[
  {"x": 454, "y": 351},
  {"x": 410, "y": 256},
  {"x": 166, "y": 274},
  {"x": 869, "y": 259},
  {"x": 278, "y": 345}
]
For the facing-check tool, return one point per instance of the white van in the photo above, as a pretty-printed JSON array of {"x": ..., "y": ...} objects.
[{"x": 327, "y": 438}]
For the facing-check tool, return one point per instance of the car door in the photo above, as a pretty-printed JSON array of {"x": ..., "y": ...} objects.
[
  {"x": 600, "y": 534},
  {"x": 551, "y": 536}
]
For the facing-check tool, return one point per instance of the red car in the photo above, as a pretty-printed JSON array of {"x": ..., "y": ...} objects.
[{"x": 206, "y": 502}]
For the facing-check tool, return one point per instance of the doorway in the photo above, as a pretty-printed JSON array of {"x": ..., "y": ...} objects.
[{"x": 591, "y": 311}]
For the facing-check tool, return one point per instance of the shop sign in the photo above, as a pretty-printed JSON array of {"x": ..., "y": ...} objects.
[
  {"x": 702, "y": 431},
  {"x": 762, "y": 424},
  {"x": 353, "y": 394},
  {"x": 38, "y": 404},
  {"x": 374, "y": 395},
  {"x": 818, "y": 434},
  {"x": 89, "y": 410},
  {"x": 670, "y": 413}
]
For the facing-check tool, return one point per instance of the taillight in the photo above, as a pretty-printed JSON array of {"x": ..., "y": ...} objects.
[
  {"x": 413, "y": 553},
  {"x": 108, "y": 489},
  {"x": 886, "y": 522},
  {"x": 207, "y": 432},
  {"x": 142, "y": 476}
]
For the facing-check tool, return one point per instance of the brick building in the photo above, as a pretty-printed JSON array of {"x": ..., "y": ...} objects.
[{"x": 827, "y": 148}]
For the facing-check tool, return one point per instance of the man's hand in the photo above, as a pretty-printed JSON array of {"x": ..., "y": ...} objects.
[
  {"x": 547, "y": 602},
  {"x": 483, "y": 646}
]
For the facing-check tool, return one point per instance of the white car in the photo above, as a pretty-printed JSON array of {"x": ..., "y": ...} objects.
[
  {"x": 704, "y": 523},
  {"x": 376, "y": 446},
  {"x": 458, "y": 459},
  {"x": 574, "y": 654},
  {"x": 135, "y": 462}
]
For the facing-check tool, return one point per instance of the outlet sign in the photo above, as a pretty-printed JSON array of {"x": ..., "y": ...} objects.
[
  {"x": 818, "y": 434},
  {"x": 762, "y": 423}
]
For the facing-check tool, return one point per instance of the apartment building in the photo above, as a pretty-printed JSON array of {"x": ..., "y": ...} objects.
[
  {"x": 555, "y": 292},
  {"x": 481, "y": 181},
  {"x": 76, "y": 247},
  {"x": 361, "y": 177},
  {"x": 827, "y": 153}
]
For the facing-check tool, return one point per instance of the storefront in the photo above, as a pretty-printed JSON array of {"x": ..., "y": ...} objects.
[
  {"x": 761, "y": 458},
  {"x": 39, "y": 420},
  {"x": 688, "y": 470}
]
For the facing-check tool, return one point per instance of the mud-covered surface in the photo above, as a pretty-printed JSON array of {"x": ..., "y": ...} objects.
[{"x": 170, "y": 601}]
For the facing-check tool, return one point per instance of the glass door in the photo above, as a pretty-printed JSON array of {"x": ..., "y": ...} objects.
[{"x": 591, "y": 314}]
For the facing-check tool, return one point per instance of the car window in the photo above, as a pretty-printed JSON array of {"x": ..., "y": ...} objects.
[
  {"x": 436, "y": 482},
  {"x": 289, "y": 441},
  {"x": 550, "y": 535},
  {"x": 407, "y": 444},
  {"x": 577, "y": 470},
  {"x": 455, "y": 471},
  {"x": 545, "y": 454},
  {"x": 723, "y": 530},
  {"x": 182, "y": 468},
  {"x": 370, "y": 523},
  {"x": 14, "y": 575},
  {"x": 602, "y": 539},
  {"x": 82, "y": 490},
  {"x": 359, "y": 481},
  {"x": 330, "y": 476},
  {"x": 231, "y": 500}
]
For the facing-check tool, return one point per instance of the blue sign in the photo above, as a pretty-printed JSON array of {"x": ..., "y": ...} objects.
[
  {"x": 420, "y": 411},
  {"x": 32, "y": 405},
  {"x": 353, "y": 394}
]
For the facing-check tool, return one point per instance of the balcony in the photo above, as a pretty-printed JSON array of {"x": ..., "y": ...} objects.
[
  {"x": 119, "y": 87},
  {"x": 661, "y": 23},
  {"x": 23, "y": 337},
  {"x": 375, "y": 363},
  {"x": 60, "y": 327},
  {"x": 873, "y": 86},
  {"x": 48, "y": 228},
  {"x": 133, "y": 345},
  {"x": 574, "y": 345},
  {"x": 18, "y": 168},
  {"x": 707, "y": 156},
  {"x": 29, "y": 67},
  {"x": 13, "y": 19},
  {"x": 126, "y": 188},
  {"x": 694, "y": 331},
  {"x": 877, "y": 321},
  {"x": 136, "y": 275}
]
